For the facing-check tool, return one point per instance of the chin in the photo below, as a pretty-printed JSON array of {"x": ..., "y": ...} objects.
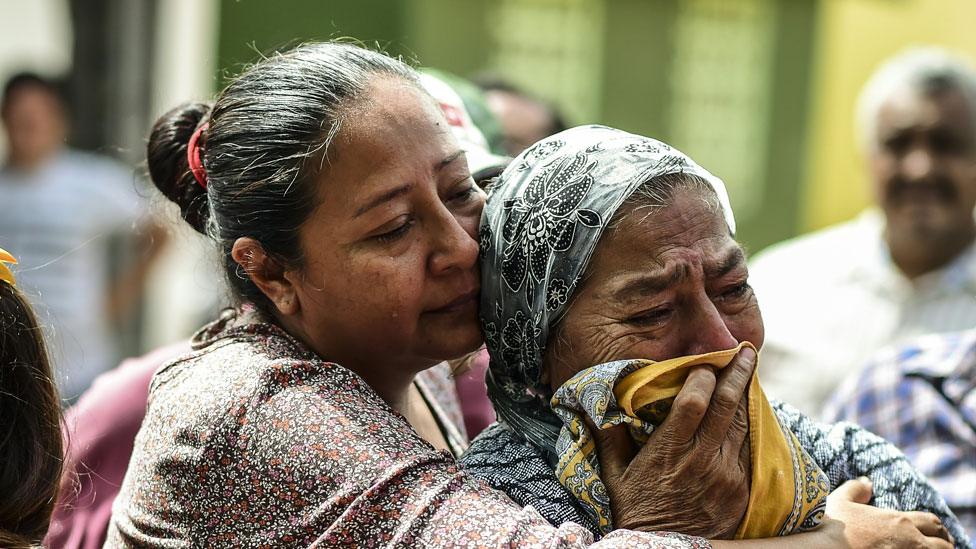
[{"x": 457, "y": 344}]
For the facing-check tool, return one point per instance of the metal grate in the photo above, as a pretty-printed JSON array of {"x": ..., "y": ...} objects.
[
  {"x": 721, "y": 87},
  {"x": 552, "y": 48}
]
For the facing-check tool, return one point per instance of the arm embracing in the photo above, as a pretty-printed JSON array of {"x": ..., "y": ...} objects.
[
  {"x": 346, "y": 477},
  {"x": 846, "y": 451}
]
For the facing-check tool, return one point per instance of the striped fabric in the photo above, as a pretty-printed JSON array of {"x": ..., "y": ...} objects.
[
  {"x": 832, "y": 299},
  {"x": 922, "y": 398}
]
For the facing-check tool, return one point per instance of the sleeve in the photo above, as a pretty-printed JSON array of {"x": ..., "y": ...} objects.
[
  {"x": 852, "y": 401},
  {"x": 347, "y": 471},
  {"x": 846, "y": 451}
]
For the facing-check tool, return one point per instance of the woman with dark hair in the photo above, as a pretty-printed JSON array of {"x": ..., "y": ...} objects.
[
  {"x": 31, "y": 443},
  {"x": 346, "y": 218}
]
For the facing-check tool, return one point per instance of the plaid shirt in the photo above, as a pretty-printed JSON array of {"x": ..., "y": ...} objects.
[{"x": 922, "y": 398}]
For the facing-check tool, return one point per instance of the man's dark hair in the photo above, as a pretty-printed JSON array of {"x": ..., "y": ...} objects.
[
  {"x": 492, "y": 82},
  {"x": 28, "y": 79}
]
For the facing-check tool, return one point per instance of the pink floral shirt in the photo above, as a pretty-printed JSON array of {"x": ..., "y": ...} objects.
[{"x": 253, "y": 441}]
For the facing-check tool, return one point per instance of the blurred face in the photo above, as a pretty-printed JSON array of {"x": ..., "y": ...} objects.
[
  {"x": 523, "y": 120},
  {"x": 35, "y": 125},
  {"x": 390, "y": 278},
  {"x": 659, "y": 286},
  {"x": 924, "y": 167}
]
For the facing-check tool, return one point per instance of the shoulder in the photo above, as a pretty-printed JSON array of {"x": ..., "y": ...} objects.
[
  {"x": 256, "y": 370},
  {"x": 93, "y": 163},
  {"x": 807, "y": 252},
  {"x": 251, "y": 418},
  {"x": 901, "y": 377},
  {"x": 934, "y": 355}
]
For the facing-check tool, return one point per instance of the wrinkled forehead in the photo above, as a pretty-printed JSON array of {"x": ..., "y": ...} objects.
[{"x": 685, "y": 238}]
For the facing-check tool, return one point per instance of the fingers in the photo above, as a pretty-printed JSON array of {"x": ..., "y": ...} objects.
[
  {"x": 729, "y": 390},
  {"x": 614, "y": 450},
  {"x": 737, "y": 442},
  {"x": 937, "y": 543},
  {"x": 688, "y": 408},
  {"x": 856, "y": 491},
  {"x": 928, "y": 524}
]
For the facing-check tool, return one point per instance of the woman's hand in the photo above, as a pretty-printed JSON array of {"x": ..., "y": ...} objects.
[
  {"x": 693, "y": 474},
  {"x": 866, "y": 526}
]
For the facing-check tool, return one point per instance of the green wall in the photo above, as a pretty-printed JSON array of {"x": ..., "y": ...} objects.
[
  {"x": 634, "y": 65},
  {"x": 249, "y": 28}
]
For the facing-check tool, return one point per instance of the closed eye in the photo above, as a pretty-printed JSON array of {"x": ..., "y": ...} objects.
[
  {"x": 464, "y": 195},
  {"x": 396, "y": 233},
  {"x": 465, "y": 190}
]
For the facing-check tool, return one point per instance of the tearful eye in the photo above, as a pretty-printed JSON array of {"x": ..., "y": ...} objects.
[
  {"x": 738, "y": 291},
  {"x": 651, "y": 317}
]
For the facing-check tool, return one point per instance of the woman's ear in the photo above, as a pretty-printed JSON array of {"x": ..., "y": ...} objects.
[{"x": 266, "y": 273}]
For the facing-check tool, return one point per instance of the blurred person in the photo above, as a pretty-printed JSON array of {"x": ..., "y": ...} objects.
[
  {"x": 102, "y": 428},
  {"x": 104, "y": 423},
  {"x": 61, "y": 209},
  {"x": 904, "y": 268},
  {"x": 473, "y": 98},
  {"x": 31, "y": 443},
  {"x": 921, "y": 396},
  {"x": 524, "y": 118}
]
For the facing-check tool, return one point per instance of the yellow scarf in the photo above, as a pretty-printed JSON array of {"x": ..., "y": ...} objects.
[
  {"x": 5, "y": 274},
  {"x": 788, "y": 491}
]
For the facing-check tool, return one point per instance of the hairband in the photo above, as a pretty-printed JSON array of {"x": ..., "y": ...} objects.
[
  {"x": 5, "y": 274},
  {"x": 193, "y": 158}
]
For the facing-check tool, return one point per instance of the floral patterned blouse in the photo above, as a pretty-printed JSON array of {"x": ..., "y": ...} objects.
[{"x": 254, "y": 441}]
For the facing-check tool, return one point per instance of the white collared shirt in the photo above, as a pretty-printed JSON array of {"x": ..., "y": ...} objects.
[{"x": 832, "y": 298}]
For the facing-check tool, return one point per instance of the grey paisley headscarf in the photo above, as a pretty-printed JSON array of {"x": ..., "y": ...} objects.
[{"x": 542, "y": 222}]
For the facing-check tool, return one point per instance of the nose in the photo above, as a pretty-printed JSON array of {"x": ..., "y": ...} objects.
[
  {"x": 917, "y": 164},
  {"x": 707, "y": 330},
  {"x": 454, "y": 248}
]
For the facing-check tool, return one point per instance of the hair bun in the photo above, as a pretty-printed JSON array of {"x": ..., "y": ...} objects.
[{"x": 168, "y": 167}]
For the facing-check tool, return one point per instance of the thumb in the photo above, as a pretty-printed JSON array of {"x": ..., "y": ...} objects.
[
  {"x": 856, "y": 491},
  {"x": 614, "y": 450}
]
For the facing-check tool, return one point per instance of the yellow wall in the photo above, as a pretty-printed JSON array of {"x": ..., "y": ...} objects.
[{"x": 853, "y": 36}]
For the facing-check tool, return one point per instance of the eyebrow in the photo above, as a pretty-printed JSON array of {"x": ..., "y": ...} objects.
[
  {"x": 734, "y": 258},
  {"x": 449, "y": 160},
  {"x": 400, "y": 191},
  {"x": 650, "y": 283},
  {"x": 657, "y": 281}
]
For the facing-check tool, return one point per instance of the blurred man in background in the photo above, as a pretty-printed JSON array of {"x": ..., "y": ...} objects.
[
  {"x": 524, "y": 119},
  {"x": 59, "y": 210},
  {"x": 905, "y": 268}
]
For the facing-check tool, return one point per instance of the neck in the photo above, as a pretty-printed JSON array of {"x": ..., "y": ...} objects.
[
  {"x": 390, "y": 378},
  {"x": 393, "y": 387},
  {"x": 915, "y": 258}
]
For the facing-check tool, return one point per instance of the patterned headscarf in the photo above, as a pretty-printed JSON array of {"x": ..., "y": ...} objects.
[{"x": 541, "y": 225}]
